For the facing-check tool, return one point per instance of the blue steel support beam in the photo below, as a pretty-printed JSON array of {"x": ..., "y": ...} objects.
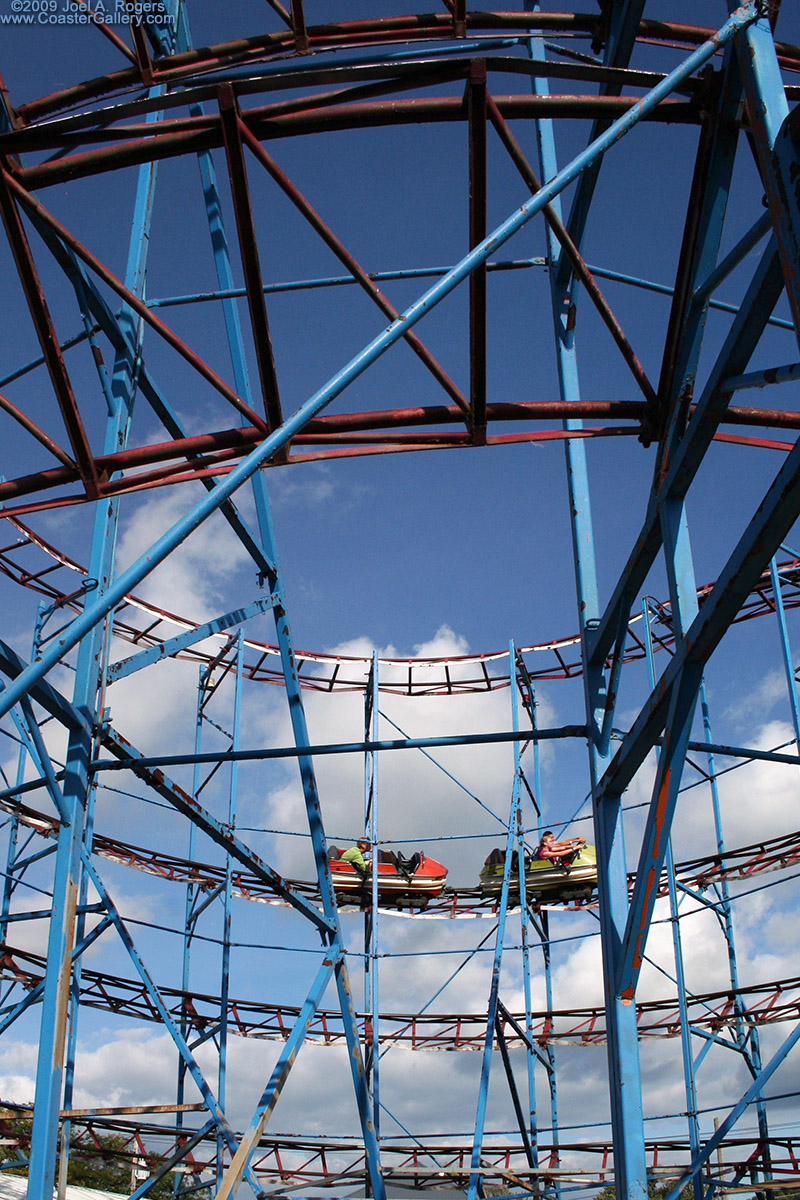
[
  {"x": 755, "y": 1089},
  {"x": 74, "y": 999},
  {"x": 227, "y": 896},
  {"x": 167, "y": 1164},
  {"x": 705, "y": 290},
  {"x": 189, "y": 910},
  {"x": 625, "y": 1090},
  {"x": 776, "y": 145},
  {"x": 675, "y": 743},
  {"x": 786, "y": 651},
  {"x": 545, "y": 1054},
  {"x": 747, "y": 1036},
  {"x": 51, "y": 700},
  {"x": 33, "y": 743},
  {"x": 705, "y": 216},
  {"x": 280, "y": 1074},
  {"x": 125, "y": 344},
  {"x": 35, "y": 994},
  {"x": 276, "y": 441},
  {"x": 744, "y": 335},
  {"x": 221, "y": 834},
  {"x": 372, "y": 950},
  {"x": 773, "y": 519},
  {"x": 491, "y": 1018},
  {"x": 678, "y": 688},
  {"x": 779, "y": 161},
  {"x": 12, "y": 852},
  {"x": 209, "y": 1100},
  {"x": 531, "y": 1133},
  {"x": 623, "y": 18},
  {"x": 87, "y": 700},
  {"x": 292, "y": 685},
  {"x": 690, "y": 1090},
  {"x": 145, "y": 658}
]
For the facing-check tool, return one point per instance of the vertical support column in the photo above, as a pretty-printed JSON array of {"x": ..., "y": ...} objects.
[
  {"x": 227, "y": 896},
  {"x": 74, "y": 1007},
  {"x": 747, "y": 1037},
  {"x": 88, "y": 699},
  {"x": 188, "y": 920},
  {"x": 623, "y": 1051},
  {"x": 686, "y": 1043},
  {"x": 491, "y": 1018},
  {"x": 776, "y": 143},
  {"x": 530, "y": 1056},
  {"x": 786, "y": 651},
  {"x": 476, "y": 109},
  {"x": 542, "y": 927},
  {"x": 13, "y": 832},
  {"x": 371, "y": 952}
]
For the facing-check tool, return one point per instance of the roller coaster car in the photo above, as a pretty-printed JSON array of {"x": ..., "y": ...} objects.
[
  {"x": 544, "y": 880},
  {"x": 402, "y": 882}
]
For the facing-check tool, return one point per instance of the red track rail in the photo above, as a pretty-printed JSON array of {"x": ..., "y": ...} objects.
[
  {"x": 30, "y": 561},
  {"x": 296, "y": 1161}
]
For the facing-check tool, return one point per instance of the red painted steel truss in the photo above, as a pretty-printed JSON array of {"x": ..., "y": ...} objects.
[{"x": 50, "y": 143}]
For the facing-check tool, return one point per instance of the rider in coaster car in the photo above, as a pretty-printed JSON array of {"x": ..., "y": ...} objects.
[
  {"x": 356, "y": 856},
  {"x": 560, "y": 854}
]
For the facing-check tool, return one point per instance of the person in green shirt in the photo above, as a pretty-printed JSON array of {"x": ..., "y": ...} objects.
[{"x": 355, "y": 855}]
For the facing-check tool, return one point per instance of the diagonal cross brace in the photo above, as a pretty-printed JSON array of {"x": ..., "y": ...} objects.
[
  {"x": 762, "y": 295},
  {"x": 655, "y": 840},
  {"x": 756, "y": 1087},
  {"x": 121, "y": 341},
  {"x": 209, "y": 1099},
  {"x": 237, "y": 616},
  {"x": 219, "y": 833},
  {"x": 280, "y": 1074},
  {"x": 66, "y": 713},
  {"x": 768, "y": 528}
]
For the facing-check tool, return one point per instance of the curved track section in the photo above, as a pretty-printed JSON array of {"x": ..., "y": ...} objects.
[{"x": 33, "y": 563}]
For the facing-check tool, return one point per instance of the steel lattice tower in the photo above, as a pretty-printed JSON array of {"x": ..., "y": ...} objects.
[{"x": 552, "y": 97}]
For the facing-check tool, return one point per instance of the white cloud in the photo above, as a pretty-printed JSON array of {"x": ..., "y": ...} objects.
[
  {"x": 764, "y": 696},
  {"x": 195, "y": 579}
]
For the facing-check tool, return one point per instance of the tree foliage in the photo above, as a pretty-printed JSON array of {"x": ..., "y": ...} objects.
[{"x": 107, "y": 1162}]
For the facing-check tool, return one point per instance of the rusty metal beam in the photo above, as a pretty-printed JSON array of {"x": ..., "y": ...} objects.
[
  {"x": 40, "y": 436},
  {"x": 191, "y": 135},
  {"x": 248, "y": 248},
  {"x": 45, "y": 332},
  {"x": 573, "y": 254},
  {"x": 351, "y": 264},
  {"x": 477, "y": 109},
  {"x": 143, "y": 59},
  {"x": 38, "y": 210},
  {"x": 299, "y": 27}
]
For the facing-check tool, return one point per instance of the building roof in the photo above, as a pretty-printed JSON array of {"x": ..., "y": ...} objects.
[{"x": 15, "y": 1187}]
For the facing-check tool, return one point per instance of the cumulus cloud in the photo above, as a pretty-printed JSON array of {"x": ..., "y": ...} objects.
[
  {"x": 195, "y": 578},
  {"x": 442, "y": 806}
]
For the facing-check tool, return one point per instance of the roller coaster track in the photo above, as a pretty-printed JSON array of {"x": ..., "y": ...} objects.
[
  {"x": 740, "y": 864},
  {"x": 33, "y": 563},
  {"x": 283, "y": 1161},
  {"x": 716, "y": 1012}
]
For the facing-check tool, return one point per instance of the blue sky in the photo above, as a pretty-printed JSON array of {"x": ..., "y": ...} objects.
[{"x": 431, "y": 553}]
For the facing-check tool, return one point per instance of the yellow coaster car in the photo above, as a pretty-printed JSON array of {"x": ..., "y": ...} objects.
[{"x": 544, "y": 880}]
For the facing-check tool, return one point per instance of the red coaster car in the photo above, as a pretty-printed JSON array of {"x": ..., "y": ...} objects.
[{"x": 402, "y": 882}]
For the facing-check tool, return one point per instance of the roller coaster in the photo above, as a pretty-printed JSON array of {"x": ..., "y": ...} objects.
[{"x": 207, "y": 209}]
